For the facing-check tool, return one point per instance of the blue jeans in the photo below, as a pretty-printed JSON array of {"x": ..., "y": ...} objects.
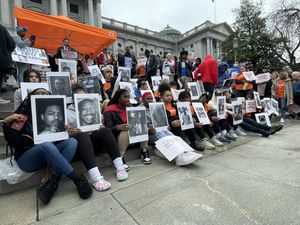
[
  {"x": 283, "y": 106},
  {"x": 58, "y": 155},
  {"x": 159, "y": 135}
]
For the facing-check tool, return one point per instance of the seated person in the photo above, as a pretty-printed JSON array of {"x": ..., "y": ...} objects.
[
  {"x": 182, "y": 159},
  {"x": 91, "y": 144},
  {"x": 31, "y": 157},
  {"x": 31, "y": 76},
  {"x": 115, "y": 119}
]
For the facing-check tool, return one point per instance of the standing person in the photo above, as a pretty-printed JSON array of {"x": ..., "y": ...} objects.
[
  {"x": 30, "y": 157},
  {"x": 282, "y": 90},
  {"x": 6, "y": 47},
  {"x": 184, "y": 67},
  {"x": 115, "y": 119},
  {"x": 168, "y": 67},
  {"x": 31, "y": 76},
  {"x": 66, "y": 46},
  {"x": 151, "y": 65},
  {"x": 209, "y": 74},
  {"x": 128, "y": 60},
  {"x": 105, "y": 58},
  {"x": 242, "y": 86},
  {"x": 21, "y": 43}
]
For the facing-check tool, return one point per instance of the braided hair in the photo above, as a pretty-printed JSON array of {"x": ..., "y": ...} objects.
[{"x": 25, "y": 107}]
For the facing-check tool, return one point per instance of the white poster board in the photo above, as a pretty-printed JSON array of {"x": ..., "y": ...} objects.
[
  {"x": 137, "y": 124},
  {"x": 49, "y": 115},
  {"x": 194, "y": 90},
  {"x": 185, "y": 115},
  {"x": 171, "y": 146},
  {"x": 30, "y": 55},
  {"x": 158, "y": 116},
  {"x": 263, "y": 119},
  {"x": 88, "y": 115},
  {"x": 221, "y": 110},
  {"x": 27, "y": 87},
  {"x": 237, "y": 107},
  {"x": 201, "y": 113}
]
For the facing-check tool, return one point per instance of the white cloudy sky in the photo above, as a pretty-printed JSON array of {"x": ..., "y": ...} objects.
[{"x": 180, "y": 14}]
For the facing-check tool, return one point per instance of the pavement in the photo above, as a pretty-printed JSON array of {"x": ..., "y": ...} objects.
[{"x": 254, "y": 181}]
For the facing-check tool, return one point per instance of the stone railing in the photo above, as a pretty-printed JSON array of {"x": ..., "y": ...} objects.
[{"x": 133, "y": 28}]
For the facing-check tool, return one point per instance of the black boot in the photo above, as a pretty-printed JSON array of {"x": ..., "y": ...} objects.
[
  {"x": 196, "y": 147},
  {"x": 47, "y": 190},
  {"x": 83, "y": 187}
]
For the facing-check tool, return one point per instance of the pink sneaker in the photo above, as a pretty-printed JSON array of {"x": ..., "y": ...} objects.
[
  {"x": 121, "y": 174},
  {"x": 101, "y": 185}
]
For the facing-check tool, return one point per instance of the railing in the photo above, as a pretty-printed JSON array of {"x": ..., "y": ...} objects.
[{"x": 137, "y": 29}]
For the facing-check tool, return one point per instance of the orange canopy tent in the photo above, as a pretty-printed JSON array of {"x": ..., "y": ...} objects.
[{"x": 51, "y": 30}]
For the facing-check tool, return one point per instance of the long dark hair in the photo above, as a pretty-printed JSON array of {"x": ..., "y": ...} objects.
[
  {"x": 25, "y": 107},
  {"x": 115, "y": 99}
]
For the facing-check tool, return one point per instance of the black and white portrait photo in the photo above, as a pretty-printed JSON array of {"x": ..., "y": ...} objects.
[
  {"x": 137, "y": 124},
  {"x": 156, "y": 81},
  {"x": 185, "y": 115},
  {"x": 257, "y": 100},
  {"x": 221, "y": 112},
  {"x": 48, "y": 118},
  {"x": 201, "y": 113},
  {"x": 158, "y": 116},
  {"x": 95, "y": 71},
  {"x": 263, "y": 119},
  {"x": 125, "y": 74},
  {"x": 70, "y": 66},
  {"x": 59, "y": 83},
  {"x": 91, "y": 84},
  {"x": 238, "y": 112},
  {"x": 193, "y": 90},
  {"x": 88, "y": 114}
]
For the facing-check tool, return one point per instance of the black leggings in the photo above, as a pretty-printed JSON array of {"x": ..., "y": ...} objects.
[{"x": 91, "y": 145}]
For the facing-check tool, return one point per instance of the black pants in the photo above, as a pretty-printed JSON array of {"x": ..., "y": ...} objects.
[
  {"x": 189, "y": 133},
  {"x": 99, "y": 141},
  {"x": 249, "y": 124},
  {"x": 209, "y": 87}
]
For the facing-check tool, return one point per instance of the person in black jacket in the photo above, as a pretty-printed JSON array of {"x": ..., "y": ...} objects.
[
  {"x": 128, "y": 60},
  {"x": 115, "y": 119},
  {"x": 18, "y": 133},
  {"x": 6, "y": 47},
  {"x": 151, "y": 65}
]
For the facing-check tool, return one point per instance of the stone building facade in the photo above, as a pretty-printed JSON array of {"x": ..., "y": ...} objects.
[{"x": 201, "y": 40}]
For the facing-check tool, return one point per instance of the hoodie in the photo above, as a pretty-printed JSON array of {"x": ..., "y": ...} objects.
[{"x": 208, "y": 70}]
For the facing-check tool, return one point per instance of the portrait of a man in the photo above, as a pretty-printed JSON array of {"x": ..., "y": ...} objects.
[{"x": 50, "y": 116}]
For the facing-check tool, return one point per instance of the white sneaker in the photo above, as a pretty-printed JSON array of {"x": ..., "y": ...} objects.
[
  {"x": 205, "y": 143},
  {"x": 187, "y": 158},
  {"x": 281, "y": 120},
  {"x": 3, "y": 101},
  {"x": 216, "y": 142},
  {"x": 231, "y": 132},
  {"x": 240, "y": 133}
]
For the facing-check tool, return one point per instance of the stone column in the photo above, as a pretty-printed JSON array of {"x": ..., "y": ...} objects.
[
  {"x": 5, "y": 13},
  {"x": 17, "y": 2},
  {"x": 53, "y": 7},
  {"x": 208, "y": 46},
  {"x": 91, "y": 12},
  {"x": 64, "y": 8},
  {"x": 99, "y": 16},
  {"x": 218, "y": 49}
]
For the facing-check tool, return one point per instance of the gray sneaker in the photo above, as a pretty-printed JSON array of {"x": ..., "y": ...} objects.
[
  {"x": 230, "y": 137},
  {"x": 240, "y": 133},
  {"x": 205, "y": 143},
  {"x": 216, "y": 142}
]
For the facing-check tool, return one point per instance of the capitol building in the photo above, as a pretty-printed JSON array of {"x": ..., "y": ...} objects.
[{"x": 202, "y": 40}]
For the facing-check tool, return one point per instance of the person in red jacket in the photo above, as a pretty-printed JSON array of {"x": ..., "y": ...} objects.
[{"x": 208, "y": 70}]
